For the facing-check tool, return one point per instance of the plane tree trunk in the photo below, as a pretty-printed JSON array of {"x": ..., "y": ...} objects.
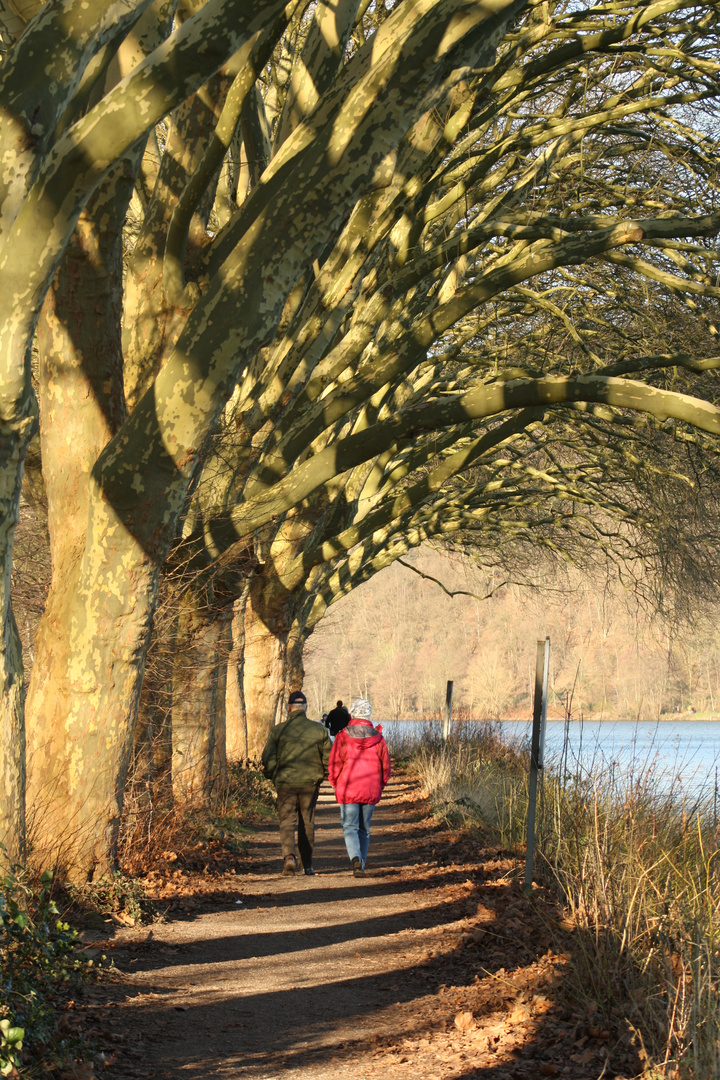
[
  {"x": 198, "y": 714},
  {"x": 81, "y": 407},
  {"x": 272, "y": 655},
  {"x": 236, "y": 729},
  {"x": 265, "y": 636},
  {"x": 152, "y": 763},
  {"x": 16, "y": 427}
]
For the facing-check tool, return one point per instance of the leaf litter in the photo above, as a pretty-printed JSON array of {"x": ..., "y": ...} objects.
[{"x": 485, "y": 975}]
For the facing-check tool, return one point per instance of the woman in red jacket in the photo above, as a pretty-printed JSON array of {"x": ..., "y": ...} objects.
[{"x": 359, "y": 770}]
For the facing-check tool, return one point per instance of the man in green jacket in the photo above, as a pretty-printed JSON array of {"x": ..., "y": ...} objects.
[{"x": 296, "y": 758}]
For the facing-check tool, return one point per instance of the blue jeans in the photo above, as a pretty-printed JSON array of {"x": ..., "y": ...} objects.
[{"x": 355, "y": 821}]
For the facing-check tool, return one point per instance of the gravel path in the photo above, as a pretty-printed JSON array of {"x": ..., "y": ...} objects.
[
  {"x": 433, "y": 967},
  {"x": 303, "y": 979}
]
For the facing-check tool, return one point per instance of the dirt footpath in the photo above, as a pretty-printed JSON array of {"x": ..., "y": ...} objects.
[{"x": 434, "y": 965}]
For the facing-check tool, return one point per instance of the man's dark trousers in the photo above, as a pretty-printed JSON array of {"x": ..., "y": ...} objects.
[{"x": 296, "y": 806}]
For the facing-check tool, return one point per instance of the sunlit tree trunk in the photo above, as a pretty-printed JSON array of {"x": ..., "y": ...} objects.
[
  {"x": 294, "y": 668},
  {"x": 198, "y": 714},
  {"x": 236, "y": 729},
  {"x": 218, "y": 718},
  {"x": 90, "y": 695},
  {"x": 272, "y": 656},
  {"x": 265, "y": 636},
  {"x": 151, "y": 323},
  {"x": 81, "y": 406},
  {"x": 153, "y": 733}
]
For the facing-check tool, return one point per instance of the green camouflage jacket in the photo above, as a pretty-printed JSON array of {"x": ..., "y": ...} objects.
[{"x": 296, "y": 753}]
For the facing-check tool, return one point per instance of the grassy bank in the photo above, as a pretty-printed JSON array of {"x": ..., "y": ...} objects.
[{"x": 636, "y": 866}]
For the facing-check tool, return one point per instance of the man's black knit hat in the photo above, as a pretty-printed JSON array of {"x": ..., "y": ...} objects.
[{"x": 297, "y": 698}]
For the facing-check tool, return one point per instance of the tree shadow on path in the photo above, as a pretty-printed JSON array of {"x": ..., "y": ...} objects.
[{"x": 337, "y": 977}]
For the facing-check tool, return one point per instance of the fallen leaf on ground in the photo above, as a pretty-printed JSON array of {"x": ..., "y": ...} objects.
[
  {"x": 464, "y": 1021},
  {"x": 519, "y": 1015},
  {"x": 542, "y": 1004},
  {"x": 122, "y": 919}
]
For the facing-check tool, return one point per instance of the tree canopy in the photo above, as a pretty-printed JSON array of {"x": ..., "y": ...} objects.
[{"x": 309, "y": 283}]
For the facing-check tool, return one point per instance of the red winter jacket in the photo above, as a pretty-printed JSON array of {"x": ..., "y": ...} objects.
[{"x": 359, "y": 764}]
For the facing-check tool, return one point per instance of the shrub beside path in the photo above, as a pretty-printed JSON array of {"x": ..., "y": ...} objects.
[{"x": 433, "y": 966}]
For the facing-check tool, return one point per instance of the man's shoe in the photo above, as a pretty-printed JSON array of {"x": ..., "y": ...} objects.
[
  {"x": 309, "y": 872},
  {"x": 289, "y": 866},
  {"x": 357, "y": 868}
]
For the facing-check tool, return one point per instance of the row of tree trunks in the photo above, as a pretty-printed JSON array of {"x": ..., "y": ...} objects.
[
  {"x": 199, "y": 762},
  {"x": 86, "y": 695},
  {"x": 231, "y": 674},
  {"x": 222, "y": 683},
  {"x": 89, "y": 665}
]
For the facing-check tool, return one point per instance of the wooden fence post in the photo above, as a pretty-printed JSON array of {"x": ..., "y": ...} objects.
[
  {"x": 448, "y": 710},
  {"x": 537, "y": 748}
]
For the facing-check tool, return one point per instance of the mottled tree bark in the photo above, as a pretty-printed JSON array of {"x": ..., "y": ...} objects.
[
  {"x": 320, "y": 61},
  {"x": 153, "y": 733},
  {"x": 236, "y": 729},
  {"x": 198, "y": 715},
  {"x": 90, "y": 695},
  {"x": 17, "y": 432},
  {"x": 152, "y": 323},
  {"x": 265, "y": 635},
  {"x": 81, "y": 406},
  {"x": 220, "y": 758},
  {"x": 272, "y": 660},
  {"x": 294, "y": 668}
]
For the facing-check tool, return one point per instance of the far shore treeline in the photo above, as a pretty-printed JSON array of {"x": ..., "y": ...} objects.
[{"x": 400, "y": 637}]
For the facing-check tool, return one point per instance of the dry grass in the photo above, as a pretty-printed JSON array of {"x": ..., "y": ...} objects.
[{"x": 636, "y": 865}]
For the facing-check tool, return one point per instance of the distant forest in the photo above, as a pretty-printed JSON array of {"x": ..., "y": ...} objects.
[{"x": 398, "y": 638}]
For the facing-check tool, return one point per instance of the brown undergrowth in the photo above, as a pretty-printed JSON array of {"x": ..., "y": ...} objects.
[
  {"x": 170, "y": 856},
  {"x": 631, "y": 864},
  {"x": 502, "y": 1000},
  {"x": 161, "y": 834},
  {"x": 190, "y": 855},
  {"x": 174, "y": 860}
]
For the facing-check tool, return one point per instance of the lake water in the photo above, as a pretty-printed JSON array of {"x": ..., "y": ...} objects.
[{"x": 683, "y": 754}]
